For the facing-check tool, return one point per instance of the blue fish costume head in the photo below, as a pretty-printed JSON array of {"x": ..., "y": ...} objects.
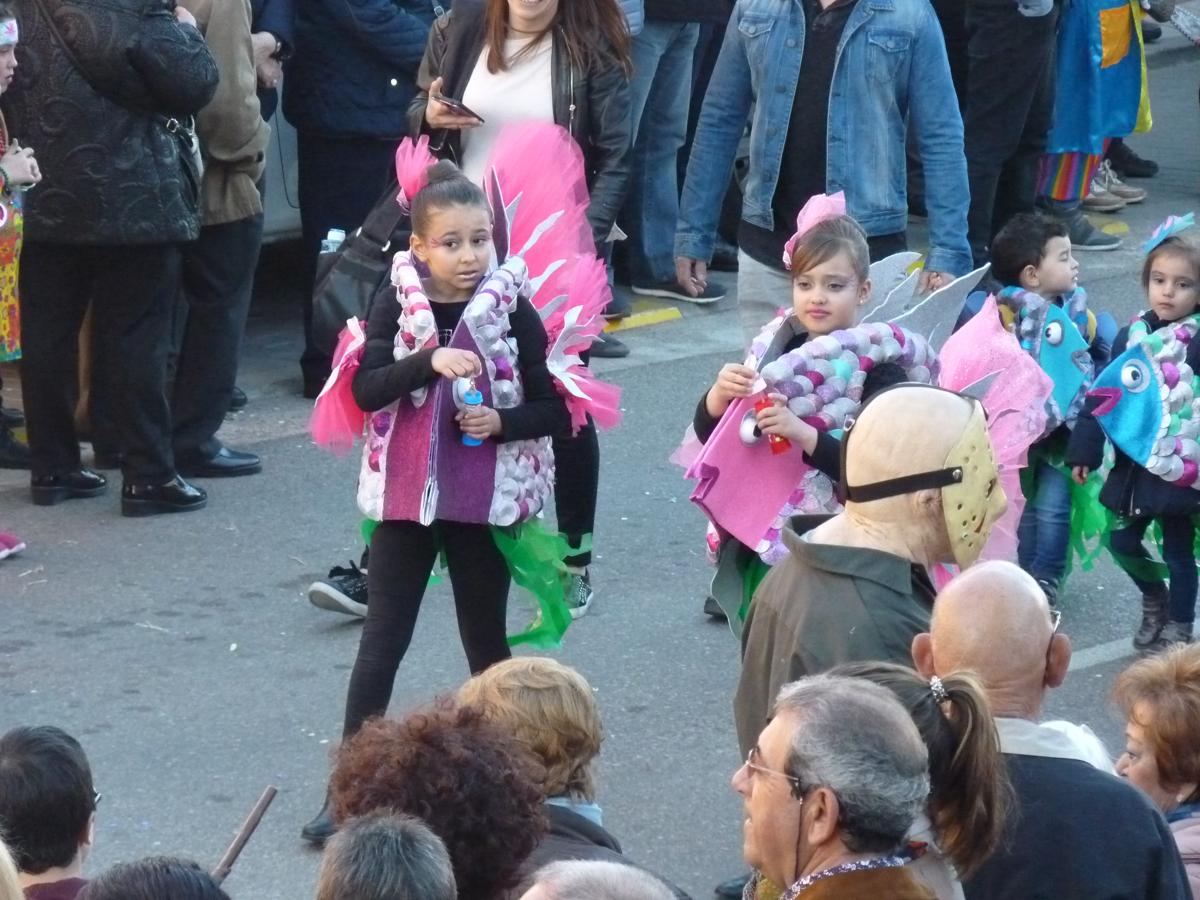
[
  {"x": 1053, "y": 335},
  {"x": 1146, "y": 401}
]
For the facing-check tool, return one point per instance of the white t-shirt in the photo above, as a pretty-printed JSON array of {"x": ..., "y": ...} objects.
[{"x": 523, "y": 93}]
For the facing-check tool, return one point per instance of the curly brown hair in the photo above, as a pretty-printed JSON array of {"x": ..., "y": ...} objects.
[{"x": 476, "y": 788}]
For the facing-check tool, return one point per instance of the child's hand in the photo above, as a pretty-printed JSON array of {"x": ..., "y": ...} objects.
[
  {"x": 479, "y": 422},
  {"x": 733, "y": 381},
  {"x": 781, "y": 421},
  {"x": 1080, "y": 474},
  {"x": 455, "y": 363},
  {"x": 21, "y": 167}
]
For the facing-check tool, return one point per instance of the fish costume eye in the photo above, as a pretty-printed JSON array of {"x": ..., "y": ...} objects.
[
  {"x": 1054, "y": 333},
  {"x": 1135, "y": 376}
]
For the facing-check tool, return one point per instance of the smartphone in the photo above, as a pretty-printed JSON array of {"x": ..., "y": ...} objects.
[{"x": 458, "y": 107}]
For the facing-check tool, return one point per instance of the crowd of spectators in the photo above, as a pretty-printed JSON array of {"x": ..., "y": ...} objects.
[{"x": 938, "y": 780}]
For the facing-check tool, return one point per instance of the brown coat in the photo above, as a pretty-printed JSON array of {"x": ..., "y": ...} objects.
[
  {"x": 232, "y": 133},
  {"x": 869, "y": 884},
  {"x": 821, "y": 606}
]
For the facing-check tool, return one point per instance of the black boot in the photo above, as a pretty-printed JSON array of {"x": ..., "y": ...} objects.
[
  {"x": 1173, "y": 634},
  {"x": 1154, "y": 613},
  {"x": 13, "y": 454},
  {"x": 321, "y": 828}
]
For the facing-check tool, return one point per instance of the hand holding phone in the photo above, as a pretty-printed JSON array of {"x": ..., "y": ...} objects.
[{"x": 446, "y": 112}]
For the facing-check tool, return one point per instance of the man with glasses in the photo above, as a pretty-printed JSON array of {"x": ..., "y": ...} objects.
[
  {"x": 47, "y": 809},
  {"x": 830, "y": 789},
  {"x": 1079, "y": 831}
]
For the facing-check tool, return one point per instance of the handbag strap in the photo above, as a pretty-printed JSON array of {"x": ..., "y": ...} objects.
[{"x": 383, "y": 218}]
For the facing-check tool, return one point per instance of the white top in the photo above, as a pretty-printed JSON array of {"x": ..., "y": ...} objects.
[{"x": 523, "y": 93}]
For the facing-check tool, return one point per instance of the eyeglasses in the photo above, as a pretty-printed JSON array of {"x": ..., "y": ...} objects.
[
  {"x": 752, "y": 764},
  {"x": 96, "y": 798},
  {"x": 1055, "y": 621}
]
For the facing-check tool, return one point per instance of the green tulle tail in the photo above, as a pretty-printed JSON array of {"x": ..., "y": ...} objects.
[{"x": 535, "y": 559}]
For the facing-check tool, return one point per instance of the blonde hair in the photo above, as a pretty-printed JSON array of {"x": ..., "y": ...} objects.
[
  {"x": 10, "y": 883},
  {"x": 1167, "y": 688},
  {"x": 549, "y": 708},
  {"x": 828, "y": 238}
]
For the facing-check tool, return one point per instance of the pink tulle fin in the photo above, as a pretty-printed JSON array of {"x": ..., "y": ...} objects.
[
  {"x": 413, "y": 160},
  {"x": 538, "y": 171},
  {"x": 336, "y": 419},
  {"x": 1013, "y": 389},
  {"x": 688, "y": 450}
]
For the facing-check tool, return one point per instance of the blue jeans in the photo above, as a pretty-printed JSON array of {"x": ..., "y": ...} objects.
[
  {"x": 1179, "y": 536},
  {"x": 1044, "y": 535},
  {"x": 660, "y": 94}
]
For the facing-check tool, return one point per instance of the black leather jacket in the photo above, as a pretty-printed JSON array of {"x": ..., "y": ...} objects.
[
  {"x": 113, "y": 174},
  {"x": 592, "y": 105}
]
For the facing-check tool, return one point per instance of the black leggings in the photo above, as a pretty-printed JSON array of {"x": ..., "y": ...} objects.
[
  {"x": 402, "y": 556},
  {"x": 576, "y": 484}
]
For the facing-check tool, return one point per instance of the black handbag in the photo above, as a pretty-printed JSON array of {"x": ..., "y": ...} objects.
[{"x": 349, "y": 277}]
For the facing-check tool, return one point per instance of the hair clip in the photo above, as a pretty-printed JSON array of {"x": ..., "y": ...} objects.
[
  {"x": 818, "y": 208},
  {"x": 1172, "y": 226},
  {"x": 938, "y": 690}
]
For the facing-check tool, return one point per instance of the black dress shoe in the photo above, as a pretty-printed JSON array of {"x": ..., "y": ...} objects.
[
  {"x": 1128, "y": 164},
  {"x": 12, "y": 418},
  {"x": 151, "y": 499},
  {"x": 321, "y": 828},
  {"x": 225, "y": 463},
  {"x": 238, "y": 401},
  {"x": 48, "y": 490},
  {"x": 13, "y": 454}
]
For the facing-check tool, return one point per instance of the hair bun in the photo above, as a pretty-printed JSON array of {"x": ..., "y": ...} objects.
[{"x": 443, "y": 170}]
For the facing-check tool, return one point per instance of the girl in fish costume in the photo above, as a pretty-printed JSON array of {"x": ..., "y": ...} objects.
[
  {"x": 457, "y": 386},
  {"x": 1144, "y": 403}
]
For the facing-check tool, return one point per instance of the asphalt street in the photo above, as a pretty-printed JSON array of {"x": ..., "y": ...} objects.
[{"x": 183, "y": 652}]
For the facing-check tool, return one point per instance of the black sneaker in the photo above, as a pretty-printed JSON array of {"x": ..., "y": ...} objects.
[
  {"x": 1050, "y": 589},
  {"x": 579, "y": 593},
  {"x": 734, "y": 887},
  {"x": 605, "y": 346},
  {"x": 672, "y": 291},
  {"x": 344, "y": 591},
  {"x": 1128, "y": 164},
  {"x": 11, "y": 418},
  {"x": 13, "y": 454},
  {"x": 1151, "y": 31},
  {"x": 1087, "y": 237},
  {"x": 238, "y": 401}
]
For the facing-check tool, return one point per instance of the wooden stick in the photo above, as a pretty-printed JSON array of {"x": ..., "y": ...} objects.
[{"x": 225, "y": 866}]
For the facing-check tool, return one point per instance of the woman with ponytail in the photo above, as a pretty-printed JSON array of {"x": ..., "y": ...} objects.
[
  {"x": 496, "y": 63},
  {"x": 969, "y": 796}
]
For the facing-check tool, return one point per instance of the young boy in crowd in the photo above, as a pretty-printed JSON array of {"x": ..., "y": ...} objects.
[{"x": 1032, "y": 259}]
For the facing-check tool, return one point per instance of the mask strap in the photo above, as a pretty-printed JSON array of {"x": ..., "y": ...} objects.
[{"x": 906, "y": 484}]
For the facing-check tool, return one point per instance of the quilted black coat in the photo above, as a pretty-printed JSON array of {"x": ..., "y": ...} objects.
[
  {"x": 112, "y": 173},
  {"x": 355, "y": 66}
]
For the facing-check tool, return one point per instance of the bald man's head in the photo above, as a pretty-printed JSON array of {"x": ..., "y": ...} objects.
[{"x": 993, "y": 619}]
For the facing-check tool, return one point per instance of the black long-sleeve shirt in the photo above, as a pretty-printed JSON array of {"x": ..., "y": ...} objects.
[{"x": 381, "y": 379}]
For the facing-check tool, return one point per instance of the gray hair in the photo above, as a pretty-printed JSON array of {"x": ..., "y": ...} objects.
[
  {"x": 592, "y": 880},
  {"x": 856, "y": 739},
  {"x": 386, "y": 856}
]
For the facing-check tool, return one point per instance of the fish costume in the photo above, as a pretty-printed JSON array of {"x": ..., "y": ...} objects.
[
  {"x": 823, "y": 381},
  {"x": 415, "y": 464}
]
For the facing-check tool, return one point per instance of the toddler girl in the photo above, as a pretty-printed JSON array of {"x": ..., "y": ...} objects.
[{"x": 1139, "y": 396}]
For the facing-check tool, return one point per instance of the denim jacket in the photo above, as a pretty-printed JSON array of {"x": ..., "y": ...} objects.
[{"x": 891, "y": 64}]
